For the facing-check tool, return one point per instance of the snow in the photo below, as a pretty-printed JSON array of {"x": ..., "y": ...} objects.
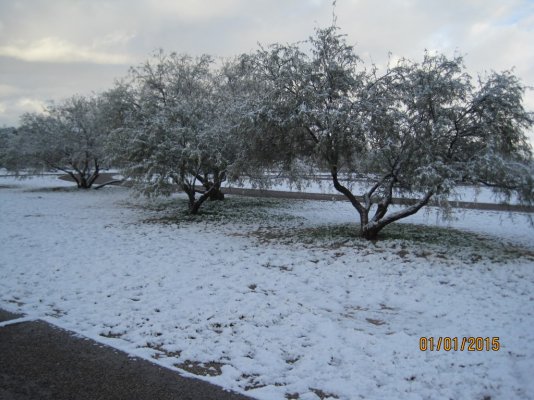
[
  {"x": 278, "y": 317},
  {"x": 16, "y": 321}
]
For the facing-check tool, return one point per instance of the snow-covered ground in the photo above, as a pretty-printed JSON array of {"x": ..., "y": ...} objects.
[{"x": 265, "y": 304}]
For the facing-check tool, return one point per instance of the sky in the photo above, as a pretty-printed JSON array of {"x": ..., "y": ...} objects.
[{"x": 52, "y": 49}]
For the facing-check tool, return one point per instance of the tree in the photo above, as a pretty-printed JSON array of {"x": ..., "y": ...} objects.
[
  {"x": 177, "y": 132},
  {"x": 430, "y": 128},
  {"x": 417, "y": 130},
  {"x": 68, "y": 137},
  {"x": 7, "y": 135}
]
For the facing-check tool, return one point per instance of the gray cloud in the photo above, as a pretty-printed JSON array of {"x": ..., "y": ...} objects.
[{"x": 49, "y": 50}]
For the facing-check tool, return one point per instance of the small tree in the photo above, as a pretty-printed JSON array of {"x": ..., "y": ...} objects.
[
  {"x": 177, "y": 131},
  {"x": 417, "y": 130},
  {"x": 7, "y": 136},
  {"x": 68, "y": 137},
  {"x": 429, "y": 128}
]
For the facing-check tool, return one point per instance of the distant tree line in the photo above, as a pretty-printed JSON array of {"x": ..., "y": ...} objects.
[{"x": 412, "y": 129}]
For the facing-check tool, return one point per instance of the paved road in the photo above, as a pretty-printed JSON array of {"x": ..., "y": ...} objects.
[
  {"x": 326, "y": 196},
  {"x": 107, "y": 177},
  {"x": 42, "y": 362},
  {"x": 103, "y": 178}
]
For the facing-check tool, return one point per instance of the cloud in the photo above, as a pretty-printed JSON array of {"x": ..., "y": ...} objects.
[
  {"x": 11, "y": 110},
  {"x": 104, "y": 36},
  {"x": 195, "y": 10},
  {"x": 8, "y": 90},
  {"x": 113, "y": 39},
  {"x": 53, "y": 49},
  {"x": 30, "y": 105}
]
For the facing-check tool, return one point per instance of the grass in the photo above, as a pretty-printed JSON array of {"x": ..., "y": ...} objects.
[
  {"x": 270, "y": 221},
  {"x": 349, "y": 234},
  {"x": 405, "y": 240},
  {"x": 233, "y": 209}
]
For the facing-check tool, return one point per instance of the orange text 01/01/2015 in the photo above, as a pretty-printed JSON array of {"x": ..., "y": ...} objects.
[{"x": 462, "y": 344}]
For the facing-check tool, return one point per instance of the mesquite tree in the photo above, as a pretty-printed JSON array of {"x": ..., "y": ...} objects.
[
  {"x": 416, "y": 130},
  {"x": 7, "y": 136},
  {"x": 430, "y": 127},
  {"x": 68, "y": 137},
  {"x": 176, "y": 132}
]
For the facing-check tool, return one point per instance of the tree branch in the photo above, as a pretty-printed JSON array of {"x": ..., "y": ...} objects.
[
  {"x": 315, "y": 139},
  {"x": 342, "y": 189},
  {"x": 407, "y": 211},
  {"x": 367, "y": 196},
  {"x": 385, "y": 202}
]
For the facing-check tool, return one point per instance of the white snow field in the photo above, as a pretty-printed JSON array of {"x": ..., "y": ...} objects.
[{"x": 270, "y": 303}]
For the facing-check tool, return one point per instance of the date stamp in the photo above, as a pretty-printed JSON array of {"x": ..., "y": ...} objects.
[{"x": 459, "y": 344}]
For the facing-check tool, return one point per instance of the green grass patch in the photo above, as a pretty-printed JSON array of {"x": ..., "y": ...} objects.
[
  {"x": 270, "y": 221},
  {"x": 233, "y": 209},
  {"x": 430, "y": 235},
  {"x": 405, "y": 240}
]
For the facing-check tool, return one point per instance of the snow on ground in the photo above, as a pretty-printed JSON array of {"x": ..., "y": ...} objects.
[{"x": 266, "y": 313}]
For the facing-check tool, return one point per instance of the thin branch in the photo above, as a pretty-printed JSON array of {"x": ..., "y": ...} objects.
[
  {"x": 408, "y": 211},
  {"x": 367, "y": 196},
  {"x": 315, "y": 139},
  {"x": 383, "y": 205},
  {"x": 342, "y": 189}
]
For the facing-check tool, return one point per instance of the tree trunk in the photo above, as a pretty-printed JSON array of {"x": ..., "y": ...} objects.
[
  {"x": 195, "y": 205},
  {"x": 214, "y": 190},
  {"x": 85, "y": 182},
  {"x": 82, "y": 182},
  {"x": 216, "y": 195},
  {"x": 191, "y": 197},
  {"x": 94, "y": 176},
  {"x": 370, "y": 231},
  {"x": 74, "y": 177},
  {"x": 367, "y": 230},
  {"x": 86, "y": 178}
]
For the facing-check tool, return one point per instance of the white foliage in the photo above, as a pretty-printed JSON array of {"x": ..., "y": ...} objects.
[
  {"x": 178, "y": 129},
  {"x": 418, "y": 130},
  {"x": 69, "y": 137}
]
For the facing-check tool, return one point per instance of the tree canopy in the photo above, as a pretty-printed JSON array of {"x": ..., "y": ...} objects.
[
  {"x": 68, "y": 137},
  {"x": 411, "y": 129},
  {"x": 417, "y": 129},
  {"x": 178, "y": 130}
]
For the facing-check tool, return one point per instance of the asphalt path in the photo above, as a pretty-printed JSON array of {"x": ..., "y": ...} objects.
[
  {"x": 103, "y": 178},
  {"x": 106, "y": 178},
  {"x": 39, "y": 361}
]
